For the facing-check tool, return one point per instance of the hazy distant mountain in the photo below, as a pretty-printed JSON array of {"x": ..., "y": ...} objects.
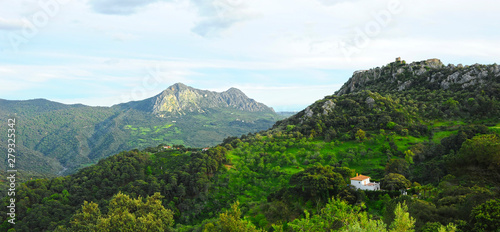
[
  {"x": 422, "y": 127},
  {"x": 54, "y": 137},
  {"x": 180, "y": 99}
]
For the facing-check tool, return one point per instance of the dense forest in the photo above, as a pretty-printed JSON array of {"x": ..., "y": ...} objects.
[
  {"x": 58, "y": 139},
  {"x": 434, "y": 149}
]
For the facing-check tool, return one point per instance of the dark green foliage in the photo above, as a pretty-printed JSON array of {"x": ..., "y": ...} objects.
[
  {"x": 58, "y": 139},
  {"x": 350, "y": 114},
  {"x": 124, "y": 214},
  {"x": 454, "y": 142},
  {"x": 399, "y": 166},
  {"x": 431, "y": 227},
  {"x": 179, "y": 175},
  {"x": 231, "y": 221},
  {"x": 482, "y": 151},
  {"x": 486, "y": 217},
  {"x": 394, "y": 181},
  {"x": 371, "y": 104},
  {"x": 317, "y": 182},
  {"x": 440, "y": 142}
]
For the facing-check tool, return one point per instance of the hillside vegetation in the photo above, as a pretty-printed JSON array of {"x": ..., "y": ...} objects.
[
  {"x": 58, "y": 139},
  {"x": 435, "y": 151}
]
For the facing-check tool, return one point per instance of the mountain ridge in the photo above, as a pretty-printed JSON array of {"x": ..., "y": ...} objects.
[
  {"x": 68, "y": 136},
  {"x": 179, "y": 99},
  {"x": 440, "y": 146},
  {"x": 430, "y": 74},
  {"x": 427, "y": 89}
]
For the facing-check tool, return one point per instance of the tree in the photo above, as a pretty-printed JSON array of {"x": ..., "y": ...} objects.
[
  {"x": 337, "y": 215},
  {"x": 86, "y": 219},
  {"x": 318, "y": 182},
  {"x": 431, "y": 227},
  {"x": 483, "y": 150},
  {"x": 333, "y": 216},
  {"x": 486, "y": 217},
  {"x": 313, "y": 134},
  {"x": 347, "y": 173},
  {"x": 404, "y": 132},
  {"x": 230, "y": 221},
  {"x": 399, "y": 166},
  {"x": 409, "y": 156},
  {"x": 436, "y": 226},
  {"x": 452, "y": 105},
  {"x": 124, "y": 214},
  {"x": 330, "y": 134},
  {"x": 360, "y": 135},
  {"x": 402, "y": 221},
  {"x": 394, "y": 181},
  {"x": 390, "y": 125}
]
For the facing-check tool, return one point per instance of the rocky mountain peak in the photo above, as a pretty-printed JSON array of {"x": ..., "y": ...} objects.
[
  {"x": 430, "y": 74},
  {"x": 434, "y": 63},
  {"x": 178, "y": 86},
  {"x": 234, "y": 91},
  {"x": 180, "y": 99}
]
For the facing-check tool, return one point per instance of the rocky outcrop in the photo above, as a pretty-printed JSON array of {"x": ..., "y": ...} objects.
[
  {"x": 469, "y": 78},
  {"x": 370, "y": 102},
  {"x": 327, "y": 107},
  {"x": 399, "y": 76},
  {"x": 404, "y": 85},
  {"x": 180, "y": 99}
]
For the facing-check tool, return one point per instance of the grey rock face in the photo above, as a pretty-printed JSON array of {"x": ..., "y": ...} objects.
[
  {"x": 428, "y": 73},
  {"x": 328, "y": 107},
  {"x": 181, "y": 99},
  {"x": 404, "y": 85},
  {"x": 370, "y": 102},
  {"x": 308, "y": 113}
]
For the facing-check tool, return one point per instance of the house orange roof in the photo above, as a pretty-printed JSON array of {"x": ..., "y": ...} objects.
[{"x": 360, "y": 177}]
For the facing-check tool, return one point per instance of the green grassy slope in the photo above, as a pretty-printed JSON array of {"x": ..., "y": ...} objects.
[
  {"x": 53, "y": 137},
  {"x": 443, "y": 152}
]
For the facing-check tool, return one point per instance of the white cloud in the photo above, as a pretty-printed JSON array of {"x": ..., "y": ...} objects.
[
  {"x": 218, "y": 15},
  {"x": 333, "y": 2},
  {"x": 11, "y": 24},
  {"x": 212, "y": 26},
  {"x": 9, "y": 86},
  {"x": 120, "y": 36},
  {"x": 214, "y": 16},
  {"x": 214, "y": 43},
  {"x": 119, "y": 7},
  {"x": 6, "y": 70}
]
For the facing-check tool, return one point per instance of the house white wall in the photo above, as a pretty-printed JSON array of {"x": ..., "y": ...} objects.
[{"x": 365, "y": 184}]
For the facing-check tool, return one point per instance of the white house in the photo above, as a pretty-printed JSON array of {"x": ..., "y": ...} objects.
[{"x": 363, "y": 183}]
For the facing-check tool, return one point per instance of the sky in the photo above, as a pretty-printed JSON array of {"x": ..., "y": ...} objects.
[{"x": 283, "y": 53}]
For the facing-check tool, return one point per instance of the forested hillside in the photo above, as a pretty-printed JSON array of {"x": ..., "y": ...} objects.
[
  {"x": 435, "y": 149},
  {"x": 58, "y": 139}
]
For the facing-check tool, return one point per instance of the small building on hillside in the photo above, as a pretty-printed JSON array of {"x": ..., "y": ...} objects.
[{"x": 363, "y": 183}]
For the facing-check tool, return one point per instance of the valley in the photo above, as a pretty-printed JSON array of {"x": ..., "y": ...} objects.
[
  {"x": 57, "y": 137},
  {"x": 427, "y": 132}
]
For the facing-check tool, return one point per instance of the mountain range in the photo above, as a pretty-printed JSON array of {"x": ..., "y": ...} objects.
[
  {"x": 427, "y": 90},
  {"x": 429, "y": 133},
  {"x": 55, "y": 138},
  {"x": 180, "y": 99}
]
